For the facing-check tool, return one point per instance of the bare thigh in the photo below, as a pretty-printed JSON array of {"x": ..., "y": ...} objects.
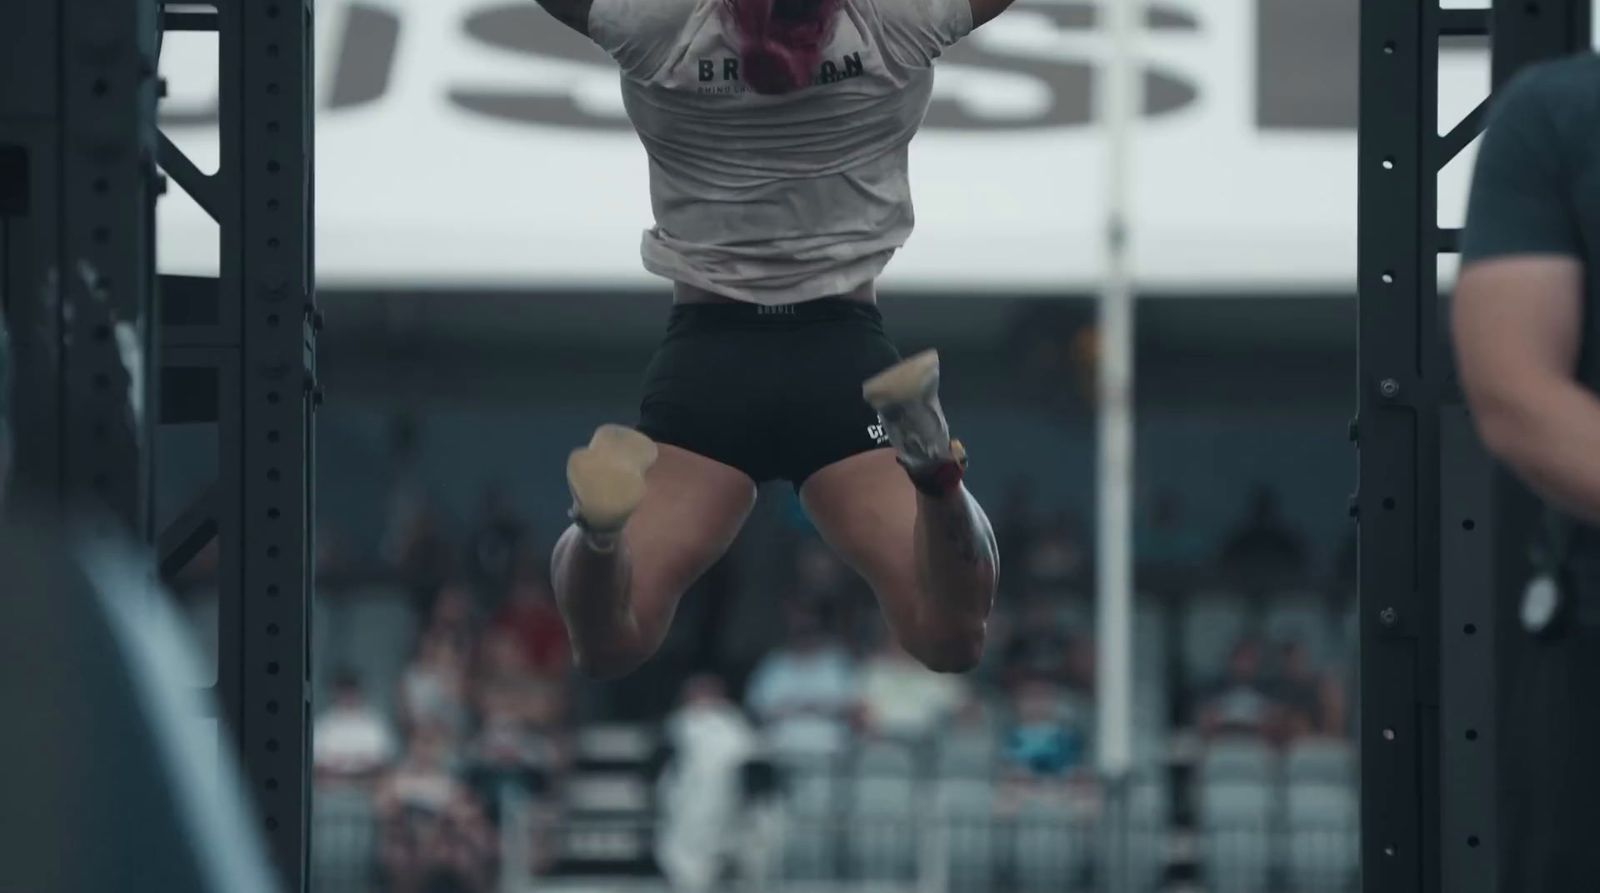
[
  {"x": 693, "y": 509},
  {"x": 866, "y": 509}
]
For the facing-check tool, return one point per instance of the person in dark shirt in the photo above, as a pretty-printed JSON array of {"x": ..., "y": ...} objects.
[
  {"x": 1244, "y": 702},
  {"x": 1263, "y": 545},
  {"x": 1525, "y": 322},
  {"x": 1310, "y": 699},
  {"x": 1043, "y": 738}
]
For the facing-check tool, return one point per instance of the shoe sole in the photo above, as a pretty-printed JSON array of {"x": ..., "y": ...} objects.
[
  {"x": 906, "y": 381},
  {"x": 607, "y": 476},
  {"x": 627, "y": 444}
]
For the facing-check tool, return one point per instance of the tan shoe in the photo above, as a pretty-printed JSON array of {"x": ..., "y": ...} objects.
[
  {"x": 906, "y": 396},
  {"x": 607, "y": 477},
  {"x": 627, "y": 443}
]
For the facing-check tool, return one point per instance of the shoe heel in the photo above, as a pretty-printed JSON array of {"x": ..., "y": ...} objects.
[
  {"x": 906, "y": 381},
  {"x": 627, "y": 444},
  {"x": 606, "y": 487}
]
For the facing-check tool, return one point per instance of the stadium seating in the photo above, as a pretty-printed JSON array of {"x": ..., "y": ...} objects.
[
  {"x": 1321, "y": 822},
  {"x": 1324, "y": 761},
  {"x": 1239, "y": 760},
  {"x": 1300, "y": 617},
  {"x": 345, "y": 827},
  {"x": 965, "y": 755},
  {"x": 372, "y": 630},
  {"x": 1236, "y": 824},
  {"x": 810, "y": 820},
  {"x": 1148, "y": 822},
  {"x": 1152, "y": 704},
  {"x": 964, "y": 835},
  {"x": 1052, "y": 845},
  {"x": 881, "y": 843},
  {"x": 1213, "y": 622},
  {"x": 943, "y": 814}
]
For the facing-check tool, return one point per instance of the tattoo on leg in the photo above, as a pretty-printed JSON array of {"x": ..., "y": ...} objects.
[{"x": 962, "y": 539}]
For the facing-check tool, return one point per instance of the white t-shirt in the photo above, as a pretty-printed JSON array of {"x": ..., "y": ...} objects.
[
  {"x": 904, "y": 699},
  {"x": 351, "y": 740},
  {"x": 805, "y": 700},
  {"x": 776, "y": 199}
]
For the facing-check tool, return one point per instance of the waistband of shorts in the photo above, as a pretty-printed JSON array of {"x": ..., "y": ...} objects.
[{"x": 818, "y": 310}]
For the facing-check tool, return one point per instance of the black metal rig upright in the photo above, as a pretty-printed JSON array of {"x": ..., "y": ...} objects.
[
  {"x": 1436, "y": 515},
  {"x": 106, "y": 351}
]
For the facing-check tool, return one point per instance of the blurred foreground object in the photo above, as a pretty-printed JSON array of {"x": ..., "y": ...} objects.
[{"x": 114, "y": 774}]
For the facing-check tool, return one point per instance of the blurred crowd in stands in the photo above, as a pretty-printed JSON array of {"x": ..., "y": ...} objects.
[{"x": 483, "y": 698}]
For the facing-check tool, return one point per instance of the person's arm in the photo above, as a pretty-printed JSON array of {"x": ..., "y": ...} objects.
[
  {"x": 1517, "y": 324},
  {"x": 572, "y": 13},
  {"x": 1518, "y": 310},
  {"x": 985, "y": 11},
  {"x": 916, "y": 32}
]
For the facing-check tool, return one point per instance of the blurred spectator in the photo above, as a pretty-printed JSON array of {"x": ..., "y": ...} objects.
[
  {"x": 1263, "y": 544},
  {"x": 818, "y": 572},
  {"x": 351, "y": 738},
  {"x": 1165, "y": 538},
  {"x": 976, "y": 714},
  {"x": 1080, "y": 681},
  {"x": 1243, "y": 702},
  {"x": 515, "y": 743},
  {"x": 1051, "y": 341},
  {"x": 1045, "y": 737},
  {"x": 522, "y": 715},
  {"x": 1055, "y": 563},
  {"x": 840, "y": 597},
  {"x": 1344, "y": 564},
  {"x": 805, "y": 691},
  {"x": 900, "y": 698},
  {"x": 1014, "y": 528},
  {"x": 531, "y": 620},
  {"x": 493, "y": 547},
  {"x": 454, "y": 616},
  {"x": 417, "y": 547},
  {"x": 332, "y": 554},
  {"x": 433, "y": 832},
  {"x": 701, "y": 794},
  {"x": 433, "y": 689},
  {"x": 1038, "y": 645},
  {"x": 1313, "y": 702}
]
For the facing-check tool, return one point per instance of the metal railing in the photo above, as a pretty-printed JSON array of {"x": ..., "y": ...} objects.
[{"x": 848, "y": 844}]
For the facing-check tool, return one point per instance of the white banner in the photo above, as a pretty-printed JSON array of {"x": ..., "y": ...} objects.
[{"x": 479, "y": 144}]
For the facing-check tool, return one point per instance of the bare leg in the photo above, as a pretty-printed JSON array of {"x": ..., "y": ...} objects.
[
  {"x": 957, "y": 557},
  {"x": 931, "y": 560},
  {"x": 618, "y": 591}
]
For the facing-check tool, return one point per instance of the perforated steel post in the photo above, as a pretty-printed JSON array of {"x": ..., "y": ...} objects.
[
  {"x": 243, "y": 355},
  {"x": 1434, "y": 514}
]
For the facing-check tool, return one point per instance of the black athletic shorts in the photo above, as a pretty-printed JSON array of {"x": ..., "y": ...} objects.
[{"x": 772, "y": 391}]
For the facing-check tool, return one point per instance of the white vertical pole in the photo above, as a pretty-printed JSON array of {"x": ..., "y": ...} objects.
[{"x": 1119, "y": 101}]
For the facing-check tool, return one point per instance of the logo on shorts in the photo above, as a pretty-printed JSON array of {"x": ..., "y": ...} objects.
[{"x": 878, "y": 433}]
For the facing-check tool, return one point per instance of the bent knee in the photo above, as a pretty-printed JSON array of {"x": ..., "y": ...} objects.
[
  {"x": 610, "y": 651},
  {"x": 606, "y": 664}
]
